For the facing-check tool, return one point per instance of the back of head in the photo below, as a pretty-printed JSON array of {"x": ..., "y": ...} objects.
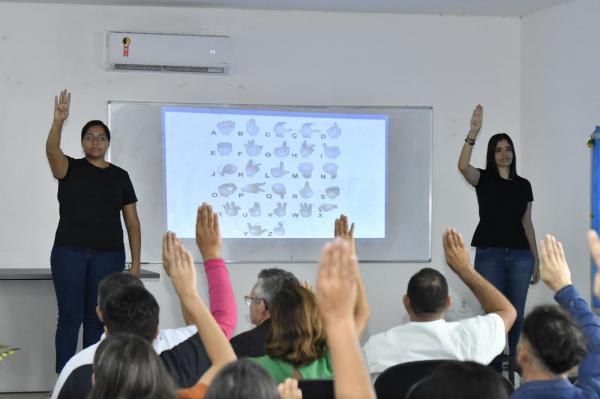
[
  {"x": 242, "y": 379},
  {"x": 555, "y": 339},
  {"x": 132, "y": 309},
  {"x": 112, "y": 283},
  {"x": 297, "y": 335},
  {"x": 271, "y": 281},
  {"x": 427, "y": 291},
  {"x": 461, "y": 380},
  {"x": 127, "y": 367}
]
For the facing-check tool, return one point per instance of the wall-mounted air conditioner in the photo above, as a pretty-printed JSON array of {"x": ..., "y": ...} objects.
[{"x": 168, "y": 53}]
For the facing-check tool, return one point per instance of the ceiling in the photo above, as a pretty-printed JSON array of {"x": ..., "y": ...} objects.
[{"x": 500, "y": 8}]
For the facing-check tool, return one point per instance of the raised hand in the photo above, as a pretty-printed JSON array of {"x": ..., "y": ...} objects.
[
  {"x": 288, "y": 389},
  {"x": 337, "y": 282},
  {"x": 61, "y": 106},
  {"x": 306, "y": 284},
  {"x": 208, "y": 234},
  {"x": 476, "y": 121},
  {"x": 231, "y": 209},
  {"x": 594, "y": 244},
  {"x": 457, "y": 255},
  {"x": 341, "y": 230},
  {"x": 554, "y": 269},
  {"x": 179, "y": 266}
]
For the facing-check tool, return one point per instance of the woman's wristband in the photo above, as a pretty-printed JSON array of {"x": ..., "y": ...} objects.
[{"x": 469, "y": 141}]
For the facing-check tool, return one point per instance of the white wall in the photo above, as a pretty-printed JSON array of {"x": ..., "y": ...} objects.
[
  {"x": 560, "y": 101},
  {"x": 450, "y": 63}
]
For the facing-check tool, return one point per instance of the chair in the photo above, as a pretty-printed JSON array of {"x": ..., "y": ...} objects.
[
  {"x": 422, "y": 388},
  {"x": 316, "y": 389},
  {"x": 395, "y": 382}
]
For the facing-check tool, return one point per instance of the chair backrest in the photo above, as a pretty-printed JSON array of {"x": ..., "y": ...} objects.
[
  {"x": 316, "y": 389},
  {"x": 507, "y": 385},
  {"x": 421, "y": 390},
  {"x": 395, "y": 382}
]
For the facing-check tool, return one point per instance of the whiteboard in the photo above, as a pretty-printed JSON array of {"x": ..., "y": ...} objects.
[{"x": 137, "y": 145}]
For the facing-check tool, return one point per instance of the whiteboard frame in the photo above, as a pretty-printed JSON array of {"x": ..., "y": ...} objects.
[{"x": 154, "y": 259}]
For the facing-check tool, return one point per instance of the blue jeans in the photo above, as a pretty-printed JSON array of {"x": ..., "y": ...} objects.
[
  {"x": 76, "y": 273},
  {"x": 509, "y": 270}
]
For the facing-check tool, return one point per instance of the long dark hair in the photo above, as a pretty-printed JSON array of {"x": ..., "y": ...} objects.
[
  {"x": 127, "y": 367},
  {"x": 297, "y": 335},
  {"x": 242, "y": 379},
  {"x": 490, "y": 164}
]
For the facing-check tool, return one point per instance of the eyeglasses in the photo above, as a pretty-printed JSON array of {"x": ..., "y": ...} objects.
[
  {"x": 249, "y": 299},
  {"x": 98, "y": 139}
]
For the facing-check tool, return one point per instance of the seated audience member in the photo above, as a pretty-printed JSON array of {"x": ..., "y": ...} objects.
[
  {"x": 181, "y": 270},
  {"x": 82, "y": 361},
  {"x": 296, "y": 346},
  {"x": 337, "y": 299},
  {"x": 428, "y": 336},
  {"x": 133, "y": 310},
  {"x": 244, "y": 379},
  {"x": 556, "y": 339},
  {"x": 461, "y": 380},
  {"x": 126, "y": 366},
  {"x": 252, "y": 343}
]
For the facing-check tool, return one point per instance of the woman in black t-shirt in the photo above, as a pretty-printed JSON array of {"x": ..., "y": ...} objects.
[
  {"x": 506, "y": 253},
  {"x": 89, "y": 239}
]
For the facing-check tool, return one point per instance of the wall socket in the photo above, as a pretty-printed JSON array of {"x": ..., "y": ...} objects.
[{"x": 464, "y": 308}]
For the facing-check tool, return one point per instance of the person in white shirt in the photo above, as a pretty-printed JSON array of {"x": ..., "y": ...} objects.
[{"x": 428, "y": 336}]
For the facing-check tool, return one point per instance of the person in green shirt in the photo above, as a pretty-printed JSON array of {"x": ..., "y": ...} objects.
[{"x": 296, "y": 346}]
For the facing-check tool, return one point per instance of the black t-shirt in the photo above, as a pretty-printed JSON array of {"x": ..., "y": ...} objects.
[
  {"x": 91, "y": 200},
  {"x": 252, "y": 343},
  {"x": 502, "y": 204},
  {"x": 186, "y": 363}
]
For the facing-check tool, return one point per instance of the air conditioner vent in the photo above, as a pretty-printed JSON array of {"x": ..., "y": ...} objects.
[
  {"x": 169, "y": 68},
  {"x": 138, "y": 67}
]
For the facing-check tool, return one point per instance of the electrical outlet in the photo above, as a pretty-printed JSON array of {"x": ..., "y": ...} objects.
[{"x": 464, "y": 308}]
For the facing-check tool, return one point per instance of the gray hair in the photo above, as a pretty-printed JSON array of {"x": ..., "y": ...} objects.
[{"x": 271, "y": 281}]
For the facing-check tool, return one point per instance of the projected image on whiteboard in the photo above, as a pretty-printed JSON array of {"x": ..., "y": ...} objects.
[{"x": 273, "y": 174}]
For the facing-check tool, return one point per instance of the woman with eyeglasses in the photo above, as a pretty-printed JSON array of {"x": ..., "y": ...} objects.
[
  {"x": 297, "y": 344},
  {"x": 88, "y": 244}
]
